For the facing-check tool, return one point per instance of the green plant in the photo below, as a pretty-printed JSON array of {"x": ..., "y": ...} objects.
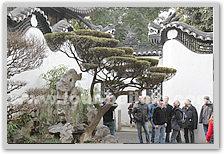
[
  {"x": 85, "y": 102},
  {"x": 199, "y": 17},
  {"x": 14, "y": 126},
  {"x": 92, "y": 33},
  {"x": 90, "y": 141},
  {"x": 77, "y": 24},
  {"x": 52, "y": 140},
  {"x": 125, "y": 18},
  {"x": 53, "y": 76},
  {"x": 30, "y": 139}
]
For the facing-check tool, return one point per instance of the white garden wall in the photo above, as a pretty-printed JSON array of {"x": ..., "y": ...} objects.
[
  {"x": 193, "y": 80},
  {"x": 54, "y": 59}
]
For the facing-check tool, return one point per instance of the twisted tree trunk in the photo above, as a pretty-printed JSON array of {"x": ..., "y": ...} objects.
[{"x": 101, "y": 111}]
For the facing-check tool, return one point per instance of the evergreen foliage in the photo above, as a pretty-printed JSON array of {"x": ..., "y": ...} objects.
[
  {"x": 199, "y": 17},
  {"x": 117, "y": 68},
  {"x": 126, "y": 19}
]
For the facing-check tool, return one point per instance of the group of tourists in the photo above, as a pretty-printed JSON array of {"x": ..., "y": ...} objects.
[{"x": 166, "y": 119}]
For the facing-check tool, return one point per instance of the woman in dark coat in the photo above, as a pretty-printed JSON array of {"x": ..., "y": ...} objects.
[{"x": 176, "y": 123}]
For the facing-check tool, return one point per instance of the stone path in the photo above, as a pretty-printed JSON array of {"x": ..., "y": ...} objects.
[{"x": 128, "y": 135}]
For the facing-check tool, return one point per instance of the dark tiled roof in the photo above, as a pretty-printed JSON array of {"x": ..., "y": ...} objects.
[
  {"x": 144, "y": 49},
  {"x": 195, "y": 40},
  {"x": 148, "y": 53},
  {"x": 19, "y": 18},
  {"x": 197, "y": 34}
]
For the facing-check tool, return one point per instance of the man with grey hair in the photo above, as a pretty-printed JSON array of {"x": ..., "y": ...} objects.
[
  {"x": 191, "y": 120},
  {"x": 205, "y": 114},
  {"x": 140, "y": 113}
]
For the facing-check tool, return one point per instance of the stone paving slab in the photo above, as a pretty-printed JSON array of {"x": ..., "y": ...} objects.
[{"x": 130, "y": 135}]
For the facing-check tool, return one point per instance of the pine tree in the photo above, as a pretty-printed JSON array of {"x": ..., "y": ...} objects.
[{"x": 116, "y": 68}]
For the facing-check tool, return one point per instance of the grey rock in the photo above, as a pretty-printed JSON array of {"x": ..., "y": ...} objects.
[
  {"x": 66, "y": 134},
  {"x": 55, "y": 128},
  {"x": 68, "y": 97},
  {"x": 79, "y": 128},
  {"x": 102, "y": 131},
  {"x": 91, "y": 115},
  {"x": 68, "y": 80},
  {"x": 110, "y": 139}
]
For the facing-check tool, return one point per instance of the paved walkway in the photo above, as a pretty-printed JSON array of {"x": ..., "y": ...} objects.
[{"x": 128, "y": 135}]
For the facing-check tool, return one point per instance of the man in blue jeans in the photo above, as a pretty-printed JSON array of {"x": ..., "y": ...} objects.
[
  {"x": 205, "y": 114},
  {"x": 141, "y": 115},
  {"x": 108, "y": 119},
  {"x": 151, "y": 109},
  {"x": 160, "y": 121}
]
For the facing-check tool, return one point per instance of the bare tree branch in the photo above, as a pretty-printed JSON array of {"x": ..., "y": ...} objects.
[{"x": 23, "y": 54}]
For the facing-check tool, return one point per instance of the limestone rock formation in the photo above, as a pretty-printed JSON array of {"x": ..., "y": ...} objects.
[
  {"x": 91, "y": 115},
  {"x": 66, "y": 133},
  {"x": 68, "y": 97},
  {"x": 55, "y": 128},
  {"x": 102, "y": 131},
  {"x": 79, "y": 128}
]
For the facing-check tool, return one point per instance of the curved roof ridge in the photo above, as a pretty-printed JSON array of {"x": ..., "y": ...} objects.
[{"x": 204, "y": 36}]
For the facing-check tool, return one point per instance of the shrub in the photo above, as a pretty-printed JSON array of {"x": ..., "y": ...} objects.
[
  {"x": 92, "y": 33},
  {"x": 53, "y": 76}
]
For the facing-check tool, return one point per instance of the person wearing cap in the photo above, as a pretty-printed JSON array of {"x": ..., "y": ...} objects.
[
  {"x": 108, "y": 118},
  {"x": 205, "y": 114}
]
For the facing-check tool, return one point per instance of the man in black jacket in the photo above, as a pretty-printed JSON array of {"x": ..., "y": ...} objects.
[
  {"x": 169, "y": 110},
  {"x": 141, "y": 115},
  {"x": 108, "y": 118},
  {"x": 160, "y": 121},
  {"x": 176, "y": 122},
  {"x": 191, "y": 120}
]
